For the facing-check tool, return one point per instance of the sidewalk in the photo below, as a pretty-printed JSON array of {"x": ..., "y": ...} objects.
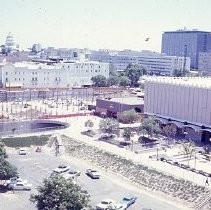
[{"x": 77, "y": 125}]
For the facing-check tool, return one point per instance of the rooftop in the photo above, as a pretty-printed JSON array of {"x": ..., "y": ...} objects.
[
  {"x": 127, "y": 100},
  {"x": 203, "y": 82}
]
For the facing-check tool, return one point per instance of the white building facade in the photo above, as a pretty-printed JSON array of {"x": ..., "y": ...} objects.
[
  {"x": 156, "y": 63},
  {"x": 186, "y": 101},
  {"x": 58, "y": 75}
]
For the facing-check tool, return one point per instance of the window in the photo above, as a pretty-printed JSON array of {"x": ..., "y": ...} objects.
[
  {"x": 6, "y": 79},
  {"x": 6, "y": 73},
  {"x": 15, "y": 79}
]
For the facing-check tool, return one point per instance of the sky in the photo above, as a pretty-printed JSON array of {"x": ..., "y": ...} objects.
[{"x": 100, "y": 24}]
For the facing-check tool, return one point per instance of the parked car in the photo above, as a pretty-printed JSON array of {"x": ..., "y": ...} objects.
[
  {"x": 94, "y": 174},
  {"x": 71, "y": 174},
  {"x": 22, "y": 151},
  {"x": 117, "y": 206},
  {"x": 19, "y": 186},
  {"x": 184, "y": 166},
  {"x": 61, "y": 169},
  {"x": 128, "y": 200},
  {"x": 203, "y": 173},
  {"x": 104, "y": 204}
]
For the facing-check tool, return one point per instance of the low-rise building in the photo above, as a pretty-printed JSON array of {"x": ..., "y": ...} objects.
[
  {"x": 115, "y": 106},
  {"x": 51, "y": 75},
  {"x": 155, "y": 63}
]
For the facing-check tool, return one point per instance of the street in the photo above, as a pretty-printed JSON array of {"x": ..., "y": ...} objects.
[{"x": 36, "y": 166}]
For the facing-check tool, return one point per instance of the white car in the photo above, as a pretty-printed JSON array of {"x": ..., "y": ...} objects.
[
  {"x": 71, "y": 174},
  {"x": 61, "y": 169},
  {"x": 104, "y": 204},
  {"x": 94, "y": 174},
  {"x": 118, "y": 206},
  {"x": 22, "y": 151},
  {"x": 19, "y": 186}
]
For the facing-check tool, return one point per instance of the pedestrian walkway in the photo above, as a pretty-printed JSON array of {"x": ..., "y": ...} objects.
[{"x": 77, "y": 126}]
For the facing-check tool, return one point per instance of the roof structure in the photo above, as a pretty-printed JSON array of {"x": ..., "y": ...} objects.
[
  {"x": 202, "y": 82},
  {"x": 127, "y": 100}
]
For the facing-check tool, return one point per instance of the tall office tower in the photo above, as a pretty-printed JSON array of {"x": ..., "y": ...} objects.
[{"x": 186, "y": 43}]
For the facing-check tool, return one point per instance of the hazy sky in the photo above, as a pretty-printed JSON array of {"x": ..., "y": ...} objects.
[{"x": 111, "y": 24}]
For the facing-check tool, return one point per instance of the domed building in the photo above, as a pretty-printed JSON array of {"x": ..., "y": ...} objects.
[{"x": 10, "y": 43}]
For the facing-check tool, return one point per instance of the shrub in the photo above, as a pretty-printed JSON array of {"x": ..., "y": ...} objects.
[{"x": 26, "y": 141}]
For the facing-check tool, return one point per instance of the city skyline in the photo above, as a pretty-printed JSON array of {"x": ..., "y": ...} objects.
[{"x": 111, "y": 24}]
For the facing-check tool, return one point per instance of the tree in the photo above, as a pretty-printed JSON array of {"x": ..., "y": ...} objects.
[
  {"x": 180, "y": 72},
  {"x": 149, "y": 126},
  {"x": 124, "y": 81},
  {"x": 127, "y": 134},
  {"x": 7, "y": 170},
  {"x": 99, "y": 81},
  {"x": 128, "y": 116},
  {"x": 170, "y": 130},
  {"x": 89, "y": 124},
  {"x": 3, "y": 153},
  {"x": 113, "y": 80},
  {"x": 188, "y": 149},
  {"x": 109, "y": 125},
  {"x": 133, "y": 72},
  {"x": 60, "y": 194}
]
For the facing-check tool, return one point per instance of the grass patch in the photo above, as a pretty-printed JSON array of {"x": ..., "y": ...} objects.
[{"x": 26, "y": 141}]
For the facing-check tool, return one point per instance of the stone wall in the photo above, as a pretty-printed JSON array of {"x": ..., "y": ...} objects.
[{"x": 184, "y": 191}]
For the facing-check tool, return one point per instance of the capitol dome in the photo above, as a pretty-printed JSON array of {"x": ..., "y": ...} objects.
[{"x": 10, "y": 42}]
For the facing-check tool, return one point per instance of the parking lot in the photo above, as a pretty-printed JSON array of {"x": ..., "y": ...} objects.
[{"x": 36, "y": 166}]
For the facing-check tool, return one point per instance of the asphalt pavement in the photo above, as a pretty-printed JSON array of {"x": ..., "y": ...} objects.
[{"x": 36, "y": 166}]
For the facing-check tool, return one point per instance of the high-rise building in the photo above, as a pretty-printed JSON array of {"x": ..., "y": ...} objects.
[{"x": 186, "y": 43}]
